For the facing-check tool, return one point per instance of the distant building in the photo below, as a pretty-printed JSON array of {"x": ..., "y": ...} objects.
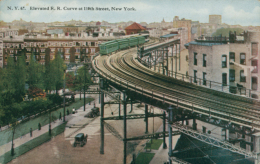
[
  {"x": 134, "y": 29},
  {"x": 215, "y": 19},
  {"x": 183, "y": 23}
]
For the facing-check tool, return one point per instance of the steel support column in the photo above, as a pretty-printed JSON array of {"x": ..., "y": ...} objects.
[
  {"x": 194, "y": 125},
  {"x": 227, "y": 135},
  {"x": 164, "y": 142},
  {"x": 256, "y": 146},
  {"x": 170, "y": 140},
  {"x": 172, "y": 60},
  {"x": 179, "y": 57},
  {"x": 167, "y": 62},
  {"x": 163, "y": 63},
  {"x": 146, "y": 118},
  {"x": 125, "y": 135},
  {"x": 119, "y": 106},
  {"x": 176, "y": 58},
  {"x": 101, "y": 117}
]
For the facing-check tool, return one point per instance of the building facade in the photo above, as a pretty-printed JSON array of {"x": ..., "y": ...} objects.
[
  {"x": 8, "y": 33},
  {"x": 231, "y": 62},
  {"x": 73, "y": 49},
  {"x": 215, "y": 19}
]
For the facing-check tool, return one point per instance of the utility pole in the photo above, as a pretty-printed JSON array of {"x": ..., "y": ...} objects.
[
  {"x": 84, "y": 82},
  {"x": 64, "y": 95}
]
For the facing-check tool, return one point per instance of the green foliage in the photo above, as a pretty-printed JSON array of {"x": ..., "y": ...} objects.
[
  {"x": 156, "y": 143},
  {"x": 80, "y": 79},
  {"x": 70, "y": 80},
  {"x": 35, "y": 73},
  {"x": 225, "y": 31},
  {"x": 56, "y": 99},
  {"x": 32, "y": 144},
  {"x": 144, "y": 158},
  {"x": 54, "y": 73},
  {"x": 14, "y": 77}
]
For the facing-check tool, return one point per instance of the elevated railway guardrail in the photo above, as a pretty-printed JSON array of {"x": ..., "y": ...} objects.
[{"x": 122, "y": 69}]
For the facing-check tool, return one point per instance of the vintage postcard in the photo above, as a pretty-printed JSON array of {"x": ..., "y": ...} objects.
[{"x": 137, "y": 81}]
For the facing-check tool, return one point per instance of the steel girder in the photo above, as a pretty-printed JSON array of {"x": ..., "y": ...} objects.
[
  {"x": 133, "y": 116},
  {"x": 154, "y": 136},
  {"x": 212, "y": 140}
]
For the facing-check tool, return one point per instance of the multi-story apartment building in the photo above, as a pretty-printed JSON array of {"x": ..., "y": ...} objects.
[
  {"x": 73, "y": 49},
  {"x": 231, "y": 62},
  {"x": 7, "y": 33}
]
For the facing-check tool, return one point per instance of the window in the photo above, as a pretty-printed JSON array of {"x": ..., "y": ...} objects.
[
  {"x": 195, "y": 76},
  {"x": 78, "y": 50},
  {"x": 42, "y": 57},
  {"x": 243, "y": 58},
  {"x": 204, "y": 78},
  {"x": 86, "y": 43},
  {"x": 204, "y": 60},
  {"x": 76, "y": 57},
  {"x": 242, "y": 76},
  {"x": 224, "y": 79},
  {"x": 224, "y": 61},
  {"x": 254, "y": 49},
  {"x": 92, "y": 50},
  {"x": 231, "y": 75},
  {"x": 254, "y": 83},
  {"x": 231, "y": 58},
  {"x": 92, "y": 43},
  {"x": 254, "y": 63},
  {"x": 86, "y": 50},
  {"x": 195, "y": 58},
  {"x": 67, "y": 51}
]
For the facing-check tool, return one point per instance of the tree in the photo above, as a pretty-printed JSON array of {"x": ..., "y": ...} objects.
[
  {"x": 14, "y": 79},
  {"x": 70, "y": 80},
  {"x": 54, "y": 73},
  {"x": 80, "y": 79},
  {"x": 20, "y": 78},
  {"x": 225, "y": 31},
  {"x": 35, "y": 73},
  {"x": 58, "y": 67}
]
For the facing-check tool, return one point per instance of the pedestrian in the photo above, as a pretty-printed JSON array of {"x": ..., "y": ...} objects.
[
  {"x": 68, "y": 112},
  {"x": 60, "y": 116},
  {"x": 31, "y": 132},
  {"x": 39, "y": 126}
]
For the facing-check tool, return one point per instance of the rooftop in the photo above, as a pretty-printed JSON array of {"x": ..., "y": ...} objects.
[
  {"x": 135, "y": 26},
  {"x": 168, "y": 35}
]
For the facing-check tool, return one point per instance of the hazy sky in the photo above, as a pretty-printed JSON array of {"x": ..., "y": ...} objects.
[{"x": 243, "y": 12}]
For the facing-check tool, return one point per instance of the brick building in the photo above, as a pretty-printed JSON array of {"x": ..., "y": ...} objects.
[{"x": 73, "y": 49}]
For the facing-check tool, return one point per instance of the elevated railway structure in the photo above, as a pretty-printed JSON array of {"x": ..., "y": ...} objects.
[{"x": 183, "y": 101}]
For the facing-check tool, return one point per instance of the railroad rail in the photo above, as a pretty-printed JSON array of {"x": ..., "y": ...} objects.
[{"x": 124, "y": 70}]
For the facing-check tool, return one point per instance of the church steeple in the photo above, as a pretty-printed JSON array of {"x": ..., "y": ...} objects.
[{"x": 163, "y": 21}]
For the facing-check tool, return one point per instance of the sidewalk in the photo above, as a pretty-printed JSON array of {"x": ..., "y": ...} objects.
[
  {"x": 23, "y": 139},
  {"x": 44, "y": 129}
]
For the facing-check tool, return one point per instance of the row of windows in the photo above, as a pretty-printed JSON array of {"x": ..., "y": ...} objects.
[
  {"x": 223, "y": 59},
  {"x": 204, "y": 75},
  {"x": 34, "y": 44},
  {"x": 232, "y": 75},
  {"x": 204, "y": 64},
  {"x": 242, "y": 58},
  {"x": 224, "y": 77}
]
